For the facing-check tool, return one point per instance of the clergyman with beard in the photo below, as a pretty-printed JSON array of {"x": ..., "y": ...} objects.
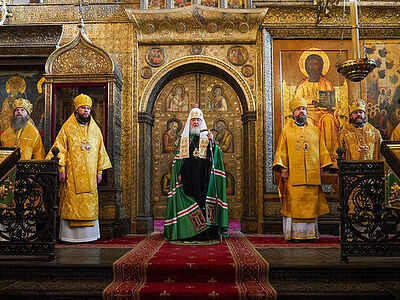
[
  {"x": 359, "y": 139},
  {"x": 82, "y": 159},
  {"x": 195, "y": 212},
  {"x": 22, "y": 132},
  {"x": 300, "y": 157}
]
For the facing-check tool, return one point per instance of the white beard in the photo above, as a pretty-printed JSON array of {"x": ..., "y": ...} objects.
[{"x": 195, "y": 130}]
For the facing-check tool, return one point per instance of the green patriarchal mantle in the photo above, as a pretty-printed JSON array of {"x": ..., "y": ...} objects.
[{"x": 184, "y": 218}]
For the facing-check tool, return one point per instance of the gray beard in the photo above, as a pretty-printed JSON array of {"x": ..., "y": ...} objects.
[
  {"x": 18, "y": 122},
  {"x": 195, "y": 131}
]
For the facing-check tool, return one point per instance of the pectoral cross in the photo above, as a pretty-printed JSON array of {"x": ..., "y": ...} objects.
[{"x": 370, "y": 132}]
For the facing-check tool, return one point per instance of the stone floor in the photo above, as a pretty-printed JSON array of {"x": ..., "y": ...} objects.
[{"x": 296, "y": 273}]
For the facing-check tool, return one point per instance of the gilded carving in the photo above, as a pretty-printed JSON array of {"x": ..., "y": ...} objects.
[
  {"x": 198, "y": 23},
  {"x": 289, "y": 12},
  {"x": 244, "y": 27},
  {"x": 146, "y": 88},
  {"x": 181, "y": 28},
  {"x": 196, "y": 50},
  {"x": 247, "y": 70},
  {"x": 146, "y": 72},
  {"x": 81, "y": 55},
  {"x": 212, "y": 27},
  {"x": 238, "y": 55},
  {"x": 155, "y": 56},
  {"x": 81, "y": 60}
]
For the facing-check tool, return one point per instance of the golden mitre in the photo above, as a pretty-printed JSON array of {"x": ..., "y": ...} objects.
[
  {"x": 297, "y": 102},
  {"x": 357, "y": 105},
  {"x": 81, "y": 100},
  {"x": 196, "y": 113},
  {"x": 23, "y": 103}
]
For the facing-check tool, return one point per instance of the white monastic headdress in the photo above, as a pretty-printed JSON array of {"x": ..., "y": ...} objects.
[{"x": 185, "y": 139}]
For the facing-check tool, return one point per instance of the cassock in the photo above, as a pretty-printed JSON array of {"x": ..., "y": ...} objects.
[
  {"x": 195, "y": 173},
  {"x": 301, "y": 152},
  {"x": 82, "y": 156}
]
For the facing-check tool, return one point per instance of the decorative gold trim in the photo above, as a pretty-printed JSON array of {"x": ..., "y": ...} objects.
[
  {"x": 158, "y": 51},
  {"x": 197, "y": 59},
  {"x": 146, "y": 72},
  {"x": 78, "y": 57},
  {"x": 197, "y": 23}
]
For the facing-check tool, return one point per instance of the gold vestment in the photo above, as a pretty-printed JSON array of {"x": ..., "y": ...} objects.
[
  {"x": 396, "y": 134},
  {"x": 302, "y": 152},
  {"x": 82, "y": 156},
  {"x": 322, "y": 118},
  {"x": 361, "y": 143},
  {"x": 28, "y": 139}
]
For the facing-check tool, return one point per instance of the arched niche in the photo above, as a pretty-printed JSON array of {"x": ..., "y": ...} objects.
[
  {"x": 82, "y": 67},
  {"x": 206, "y": 65}
]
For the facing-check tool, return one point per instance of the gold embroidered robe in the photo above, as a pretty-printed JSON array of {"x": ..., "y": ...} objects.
[
  {"x": 302, "y": 152},
  {"x": 28, "y": 139},
  {"x": 78, "y": 195},
  {"x": 361, "y": 143},
  {"x": 322, "y": 118},
  {"x": 396, "y": 134}
]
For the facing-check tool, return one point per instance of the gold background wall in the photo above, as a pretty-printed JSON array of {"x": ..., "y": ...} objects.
[{"x": 291, "y": 24}]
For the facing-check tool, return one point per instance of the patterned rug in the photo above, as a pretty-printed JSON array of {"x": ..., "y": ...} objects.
[
  {"x": 259, "y": 241},
  {"x": 156, "y": 269}
]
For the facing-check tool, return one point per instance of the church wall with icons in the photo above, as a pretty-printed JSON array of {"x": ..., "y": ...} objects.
[
  {"x": 306, "y": 69},
  {"x": 21, "y": 84},
  {"x": 383, "y": 85}
]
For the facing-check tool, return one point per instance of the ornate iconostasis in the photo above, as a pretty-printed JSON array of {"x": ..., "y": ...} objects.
[
  {"x": 307, "y": 69},
  {"x": 383, "y": 85},
  {"x": 17, "y": 82}
]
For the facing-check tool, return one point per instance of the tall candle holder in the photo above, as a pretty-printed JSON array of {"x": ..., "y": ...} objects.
[{"x": 358, "y": 68}]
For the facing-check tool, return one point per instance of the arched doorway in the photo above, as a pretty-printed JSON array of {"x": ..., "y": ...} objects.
[
  {"x": 222, "y": 111},
  {"x": 216, "y": 78}
]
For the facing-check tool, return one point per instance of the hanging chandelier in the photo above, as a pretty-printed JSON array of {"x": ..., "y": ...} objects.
[{"x": 358, "y": 68}]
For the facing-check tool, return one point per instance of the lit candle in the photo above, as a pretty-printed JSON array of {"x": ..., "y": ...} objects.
[{"x": 354, "y": 29}]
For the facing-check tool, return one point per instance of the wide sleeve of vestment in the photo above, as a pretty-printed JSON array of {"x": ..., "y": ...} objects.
[
  {"x": 61, "y": 143},
  {"x": 103, "y": 158},
  {"x": 281, "y": 155},
  {"x": 38, "y": 149},
  {"x": 324, "y": 157},
  {"x": 396, "y": 134}
]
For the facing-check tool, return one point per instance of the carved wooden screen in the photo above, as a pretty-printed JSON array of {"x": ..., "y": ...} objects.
[{"x": 222, "y": 112}]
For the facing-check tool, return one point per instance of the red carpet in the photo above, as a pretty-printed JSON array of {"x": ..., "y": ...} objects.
[
  {"x": 257, "y": 240},
  {"x": 155, "y": 269}
]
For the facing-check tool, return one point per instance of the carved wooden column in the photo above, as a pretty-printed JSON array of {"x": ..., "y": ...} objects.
[
  {"x": 144, "y": 217},
  {"x": 249, "y": 219}
]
